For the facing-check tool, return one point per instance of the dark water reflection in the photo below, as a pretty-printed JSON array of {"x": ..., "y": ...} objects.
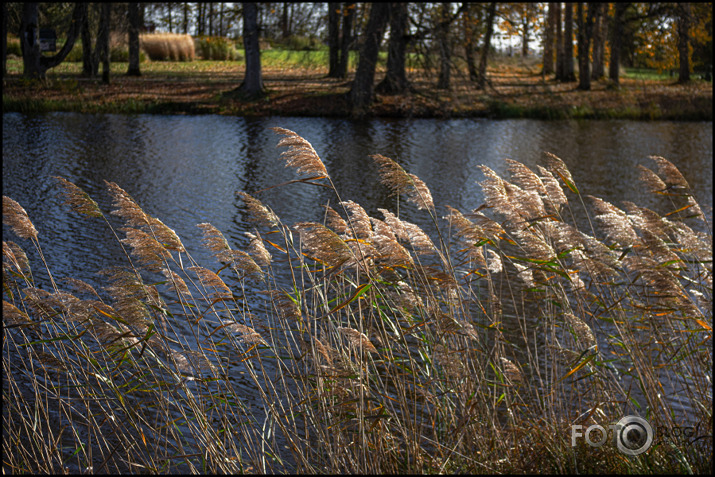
[{"x": 187, "y": 169}]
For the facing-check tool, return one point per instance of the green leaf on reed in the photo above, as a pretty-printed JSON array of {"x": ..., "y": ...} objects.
[
  {"x": 569, "y": 184},
  {"x": 359, "y": 291},
  {"x": 578, "y": 366}
]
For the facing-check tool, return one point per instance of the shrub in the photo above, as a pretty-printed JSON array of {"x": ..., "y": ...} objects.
[
  {"x": 216, "y": 48},
  {"x": 302, "y": 43},
  {"x": 363, "y": 344},
  {"x": 13, "y": 46}
]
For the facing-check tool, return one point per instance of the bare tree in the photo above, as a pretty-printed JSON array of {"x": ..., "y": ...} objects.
[
  {"x": 569, "y": 73},
  {"x": 347, "y": 38},
  {"x": 559, "y": 42},
  {"x": 361, "y": 93},
  {"x": 35, "y": 65},
  {"x": 549, "y": 37},
  {"x": 616, "y": 37},
  {"x": 585, "y": 31},
  {"x": 252, "y": 85},
  {"x": 395, "y": 81},
  {"x": 334, "y": 11},
  {"x": 445, "y": 51},
  {"x": 599, "y": 37},
  {"x": 4, "y": 39},
  {"x": 134, "y": 16},
  {"x": 482, "y": 81},
  {"x": 103, "y": 39},
  {"x": 683, "y": 22}
]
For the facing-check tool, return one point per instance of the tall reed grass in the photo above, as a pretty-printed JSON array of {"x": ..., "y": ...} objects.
[
  {"x": 167, "y": 46},
  {"x": 366, "y": 344}
]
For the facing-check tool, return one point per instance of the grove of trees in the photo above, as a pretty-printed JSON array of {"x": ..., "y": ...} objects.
[{"x": 576, "y": 41}]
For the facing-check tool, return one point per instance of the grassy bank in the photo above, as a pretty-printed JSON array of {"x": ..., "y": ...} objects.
[
  {"x": 366, "y": 344},
  {"x": 297, "y": 85}
]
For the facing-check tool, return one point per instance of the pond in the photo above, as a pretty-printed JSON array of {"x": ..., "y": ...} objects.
[{"x": 187, "y": 170}]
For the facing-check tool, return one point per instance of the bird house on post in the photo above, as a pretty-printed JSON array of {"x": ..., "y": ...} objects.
[{"x": 48, "y": 39}]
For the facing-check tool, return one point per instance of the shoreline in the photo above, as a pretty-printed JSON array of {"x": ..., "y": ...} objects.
[{"x": 310, "y": 93}]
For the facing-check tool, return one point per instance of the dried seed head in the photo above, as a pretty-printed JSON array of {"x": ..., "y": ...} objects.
[
  {"x": 15, "y": 216},
  {"x": 210, "y": 279},
  {"x": 78, "y": 199},
  {"x": 324, "y": 244},
  {"x": 126, "y": 207},
  {"x": 300, "y": 153},
  {"x": 357, "y": 339},
  {"x": 261, "y": 214},
  {"x": 401, "y": 182}
]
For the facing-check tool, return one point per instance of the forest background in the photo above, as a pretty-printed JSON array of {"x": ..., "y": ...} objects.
[{"x": 542, "y": 60}]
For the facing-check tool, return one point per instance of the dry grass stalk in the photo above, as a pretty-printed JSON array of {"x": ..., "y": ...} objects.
[
  {"x": 615, "y": 223},
  {"x": 78, "y": 199},
  {"x": 357, "y": 339},
  {"x": 323, "y": 244},
  {"x": 359, "y": 220},
  {"x": 126, "y": 207},
  {"x": 400, "y": 182},
  {"x": 214, "y": 240},
  {"x": 15, "y": 216},
  {"x": 17, "y": 258},
  {"x": 300, "y": 154},
  {"x": 258, "y": 251},
  {"x": 511, "y": 371},
  {"x": 246, "y": 334},
  {"x": 176, "y": 283},
  {"x": 261, "y": 214},
  {"x": 409, "y": 232},
  {"x": 145, "y": 247},
  {"x": 210, "y": 279},
  {"x": 581, "y": 329}
]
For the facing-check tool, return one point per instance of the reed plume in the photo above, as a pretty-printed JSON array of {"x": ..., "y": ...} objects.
[
  {"x": 300, "y": 154},
  {"x": 400, "y": 182},
  {"x": 15, "y": 216}
]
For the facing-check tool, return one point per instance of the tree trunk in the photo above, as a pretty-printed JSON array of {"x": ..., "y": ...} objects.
[
  {"x": 133, "y": 14},
  {"x": 211, "y": 19},
  {"x": 103, "y": 39},
  {"x": 445, "y": 52},
  {"x": 361, "y": 93},
  {"x": 599, "y": 49},
  {"x": 90, "y": 67},
  {"x": 333, "y": 39},
  {"x": 185, "y": 23},
  {"x": 4, "y": 39},
  {"x": 549, "y": 35},
  {"x": 252, "y": 85},
  {"x": 559, "y": 43},
  {"x": 525, "y": 30},
  {"x": 569, "y": 73},
  {"x": 347, "y": 39},
  {"x": 34, "y": 64},
  {"x": 200, "y": 19},
  {"x": 285, "y": 31},
  {"x": 469, "y": 41},
  {"x": 585, "y": 31},
  {"x": 683, "y": 42},
  {"x": 482, "y": 81},
  {"x": 169, "y": 8},
  {"x": 616, "y": 36},
  {"x": 395, "y": 81}
]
